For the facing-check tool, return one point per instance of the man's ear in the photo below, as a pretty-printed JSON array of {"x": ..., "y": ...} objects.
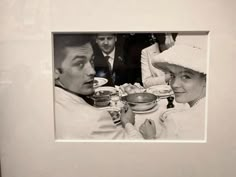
[{"x": 57, "y": 73}]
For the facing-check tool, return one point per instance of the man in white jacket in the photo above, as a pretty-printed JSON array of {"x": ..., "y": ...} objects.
[{"x": 74, "y": 77}]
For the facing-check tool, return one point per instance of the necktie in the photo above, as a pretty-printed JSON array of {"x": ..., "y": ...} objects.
[
  {"x": 109, "y": 64},
  {"x": 110, "y": 69}
]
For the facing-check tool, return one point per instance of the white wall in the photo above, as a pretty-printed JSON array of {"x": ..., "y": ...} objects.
[{"x": 27, "y": 141}]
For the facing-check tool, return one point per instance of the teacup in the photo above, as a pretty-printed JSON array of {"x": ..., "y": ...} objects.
[{"x": 102, "y": 101}]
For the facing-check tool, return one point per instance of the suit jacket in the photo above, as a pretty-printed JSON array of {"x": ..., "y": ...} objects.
[
  {"x": 133, "y": 45},
  {"x": 119, "y": 71}
]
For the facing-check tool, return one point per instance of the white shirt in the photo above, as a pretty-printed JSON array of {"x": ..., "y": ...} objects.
[
  {"x": 76, "y": 119},
  {"x": 112, "y": 57}
]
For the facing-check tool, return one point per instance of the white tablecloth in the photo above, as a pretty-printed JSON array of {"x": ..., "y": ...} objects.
[{"x": 162, "y": 103}]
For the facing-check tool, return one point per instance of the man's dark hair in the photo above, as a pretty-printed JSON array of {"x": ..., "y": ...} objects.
[{"x": 61, "y": 41}]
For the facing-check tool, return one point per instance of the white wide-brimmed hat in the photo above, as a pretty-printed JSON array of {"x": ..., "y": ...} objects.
[{"x": 189, "y": 51}]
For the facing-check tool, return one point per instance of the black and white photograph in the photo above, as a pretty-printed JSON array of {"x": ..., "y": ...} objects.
[
  {"x": 117, "y": 88},
  {"x": 130, "y": 86}
]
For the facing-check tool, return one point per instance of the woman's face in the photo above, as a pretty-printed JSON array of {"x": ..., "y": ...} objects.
[{"x": 189, "y": 86}]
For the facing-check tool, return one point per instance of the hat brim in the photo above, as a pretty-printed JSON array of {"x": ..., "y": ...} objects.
[
  {"x": 162, "y": 66},
  {"x": 185, "y": 56}
]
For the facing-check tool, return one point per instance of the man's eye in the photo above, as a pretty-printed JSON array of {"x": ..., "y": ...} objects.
[
  {"x": 92, "y": 62},
  {"x": 80, "y": 65}
]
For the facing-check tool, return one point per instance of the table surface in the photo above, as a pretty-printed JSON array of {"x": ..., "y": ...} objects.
[{"x": 155, "y": 114}]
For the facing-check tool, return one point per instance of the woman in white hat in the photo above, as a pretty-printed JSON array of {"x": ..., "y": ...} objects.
[{"x": 186, "y": 62}]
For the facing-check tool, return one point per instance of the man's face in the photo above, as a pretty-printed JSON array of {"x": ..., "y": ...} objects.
[
  {"x": 78, "y": 72},
  {"x": 106, "y": 42},
  {"x": 188, "y": 86}
]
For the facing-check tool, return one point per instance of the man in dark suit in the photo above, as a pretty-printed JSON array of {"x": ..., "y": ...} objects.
[{"x": 109, "y": 61}]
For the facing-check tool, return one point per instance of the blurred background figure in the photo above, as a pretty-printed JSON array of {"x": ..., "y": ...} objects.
[
  {"x": 126, "y": 57},
  {"x": 165, "y": 40},
  {"x": 133, "y": 45},
  {"x": 109, "y": 61},
  {"x": 152, "y": 76}
]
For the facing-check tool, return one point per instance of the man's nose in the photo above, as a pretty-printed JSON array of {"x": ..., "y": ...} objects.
[
  {"x": 105, "y": 41},
  {"x": 91, "y": 70}
]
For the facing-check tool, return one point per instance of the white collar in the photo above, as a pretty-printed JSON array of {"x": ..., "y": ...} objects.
[
  {"x": 201, "y": 100},
  {"x": 111, "y": 55},
  {"x": 62, "y": 94}
]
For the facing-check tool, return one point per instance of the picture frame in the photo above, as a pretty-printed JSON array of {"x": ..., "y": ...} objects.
[
  {"x": 132, "y": 54},
  {"x": 27, "y": 142}
]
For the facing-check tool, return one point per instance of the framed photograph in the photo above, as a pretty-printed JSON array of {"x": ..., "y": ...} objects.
[
  {"x": 35, "y": 142},
  {"x": 130, "y": 86}
]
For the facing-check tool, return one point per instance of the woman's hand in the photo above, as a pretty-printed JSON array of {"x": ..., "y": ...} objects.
[
  {"x": 148, "y": 129},
  {"x": 127, "y": 116}
]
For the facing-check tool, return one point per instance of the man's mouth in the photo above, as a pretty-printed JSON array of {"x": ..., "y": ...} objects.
[
  {"x": 89, "y": 82},
  {"x": 106, "y": 47}
]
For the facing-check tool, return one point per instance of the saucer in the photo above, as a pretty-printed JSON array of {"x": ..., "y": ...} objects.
[
  {"x": 147, "y": 111},
  {"x": 112, "y": 90},
  {"x": 99, "y": 81},
  {"x": 162, "y": 91}
]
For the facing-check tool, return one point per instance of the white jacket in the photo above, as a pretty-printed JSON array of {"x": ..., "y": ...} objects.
[
  {"x": 76, "y": 119},
  {"x": 185, "y": 123},
  {"x": 188, "y": 124},
  {"x": 150, "y": 75}
]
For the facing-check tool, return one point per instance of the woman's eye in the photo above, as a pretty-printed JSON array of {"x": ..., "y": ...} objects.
[
  {"x": 172, "y": 76},
  {"x": 186, "y": 77}
]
